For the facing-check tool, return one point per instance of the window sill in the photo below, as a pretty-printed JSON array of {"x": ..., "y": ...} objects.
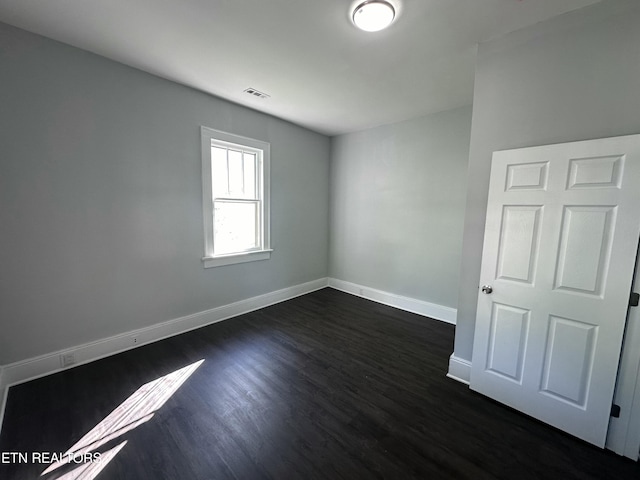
[{"x": 220, "y": 260}]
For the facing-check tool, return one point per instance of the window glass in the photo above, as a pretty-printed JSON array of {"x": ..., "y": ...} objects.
[
  {"x": 235, "y": 227},
  {"x": 250, "y": 175},
  {"x": 236, "y": 174},
  {"x": 219, "y": 171}
]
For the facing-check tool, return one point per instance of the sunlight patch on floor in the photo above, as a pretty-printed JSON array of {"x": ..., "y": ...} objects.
[
  {"x": 89, "y": 471},
  {"x": 139, "y": 408}
]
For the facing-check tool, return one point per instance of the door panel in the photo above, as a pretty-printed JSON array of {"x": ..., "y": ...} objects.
[
  {"x": 596, "y": 172},
  {"x": 509, "y": 328},
  {"x": 585, "y": 248},
  {"x": 568, "y": 359},
  {"x": 528, "y": 176},
  {"x": 561, "y": 235},
  {"x": 519, "y": 239}
]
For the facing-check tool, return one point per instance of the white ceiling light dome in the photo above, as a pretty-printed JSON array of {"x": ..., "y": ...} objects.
[{"x": 373, "y": 15}]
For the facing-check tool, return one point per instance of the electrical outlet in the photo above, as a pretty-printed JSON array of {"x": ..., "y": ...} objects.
[
  {"x": 67, "y": 359},
  {"x": 134, "y": 340}
]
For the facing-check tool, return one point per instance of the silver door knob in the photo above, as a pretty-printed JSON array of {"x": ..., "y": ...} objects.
[{"x": 487, "y": 289}]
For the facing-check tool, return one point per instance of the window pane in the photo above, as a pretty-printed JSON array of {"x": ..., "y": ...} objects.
[
  {"x": 235, "y": 227},
  {"x": 250, "y": 175},
  {"x": 219, "y": 171},
  {"x": 236, "y": 174}
]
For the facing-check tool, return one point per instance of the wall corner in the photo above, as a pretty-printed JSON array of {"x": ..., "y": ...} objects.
[{"x": 459, "y": 369}]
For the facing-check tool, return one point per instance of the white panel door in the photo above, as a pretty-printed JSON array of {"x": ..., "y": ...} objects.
[{"x": 561, "y": 236}]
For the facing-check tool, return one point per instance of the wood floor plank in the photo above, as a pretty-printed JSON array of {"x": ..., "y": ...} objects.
[{"x": 326, "y": 385}]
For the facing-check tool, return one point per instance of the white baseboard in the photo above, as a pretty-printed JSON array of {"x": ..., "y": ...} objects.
[
  {"x": 30, "y": 369},
  {"x": 432, "y": 310},
  {"x": 459, "y": 369},
  {"x": 4, "y": 390}
]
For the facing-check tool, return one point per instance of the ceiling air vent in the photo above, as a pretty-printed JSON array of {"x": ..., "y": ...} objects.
[{"x": 256, "y": 93}]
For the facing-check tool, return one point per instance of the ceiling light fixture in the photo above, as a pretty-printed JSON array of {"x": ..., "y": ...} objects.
[{"x": 373, "y": 15}]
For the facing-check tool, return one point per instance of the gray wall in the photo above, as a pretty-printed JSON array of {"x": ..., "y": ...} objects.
[
  {"x": 397, "y": 206},
  {"x": 100, "y": 199},
  {"x": 575, "y": 77}
]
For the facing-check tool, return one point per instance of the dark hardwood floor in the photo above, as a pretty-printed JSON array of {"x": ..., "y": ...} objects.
[{"x": 322, "y": 386}]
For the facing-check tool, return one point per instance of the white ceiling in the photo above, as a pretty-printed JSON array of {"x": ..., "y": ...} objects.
[{"x": 320, "y": 71}]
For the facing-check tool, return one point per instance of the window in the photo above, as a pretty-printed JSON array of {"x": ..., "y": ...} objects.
[{"x": 235, "y": 192}]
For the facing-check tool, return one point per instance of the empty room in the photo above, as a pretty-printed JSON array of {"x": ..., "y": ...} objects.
[{"x": 247, "y": 239}]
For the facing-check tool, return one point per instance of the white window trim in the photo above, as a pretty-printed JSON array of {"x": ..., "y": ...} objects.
[{"x": 210, "y": 260}]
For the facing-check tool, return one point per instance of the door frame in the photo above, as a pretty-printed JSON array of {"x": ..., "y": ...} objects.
[{"x": 623, "y": 436}]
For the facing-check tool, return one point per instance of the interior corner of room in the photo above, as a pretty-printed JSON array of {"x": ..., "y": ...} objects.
[{"x": 101, "y": 201}]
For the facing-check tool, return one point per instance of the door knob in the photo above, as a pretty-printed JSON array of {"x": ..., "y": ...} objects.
[{"x": 487, "y": 289}]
